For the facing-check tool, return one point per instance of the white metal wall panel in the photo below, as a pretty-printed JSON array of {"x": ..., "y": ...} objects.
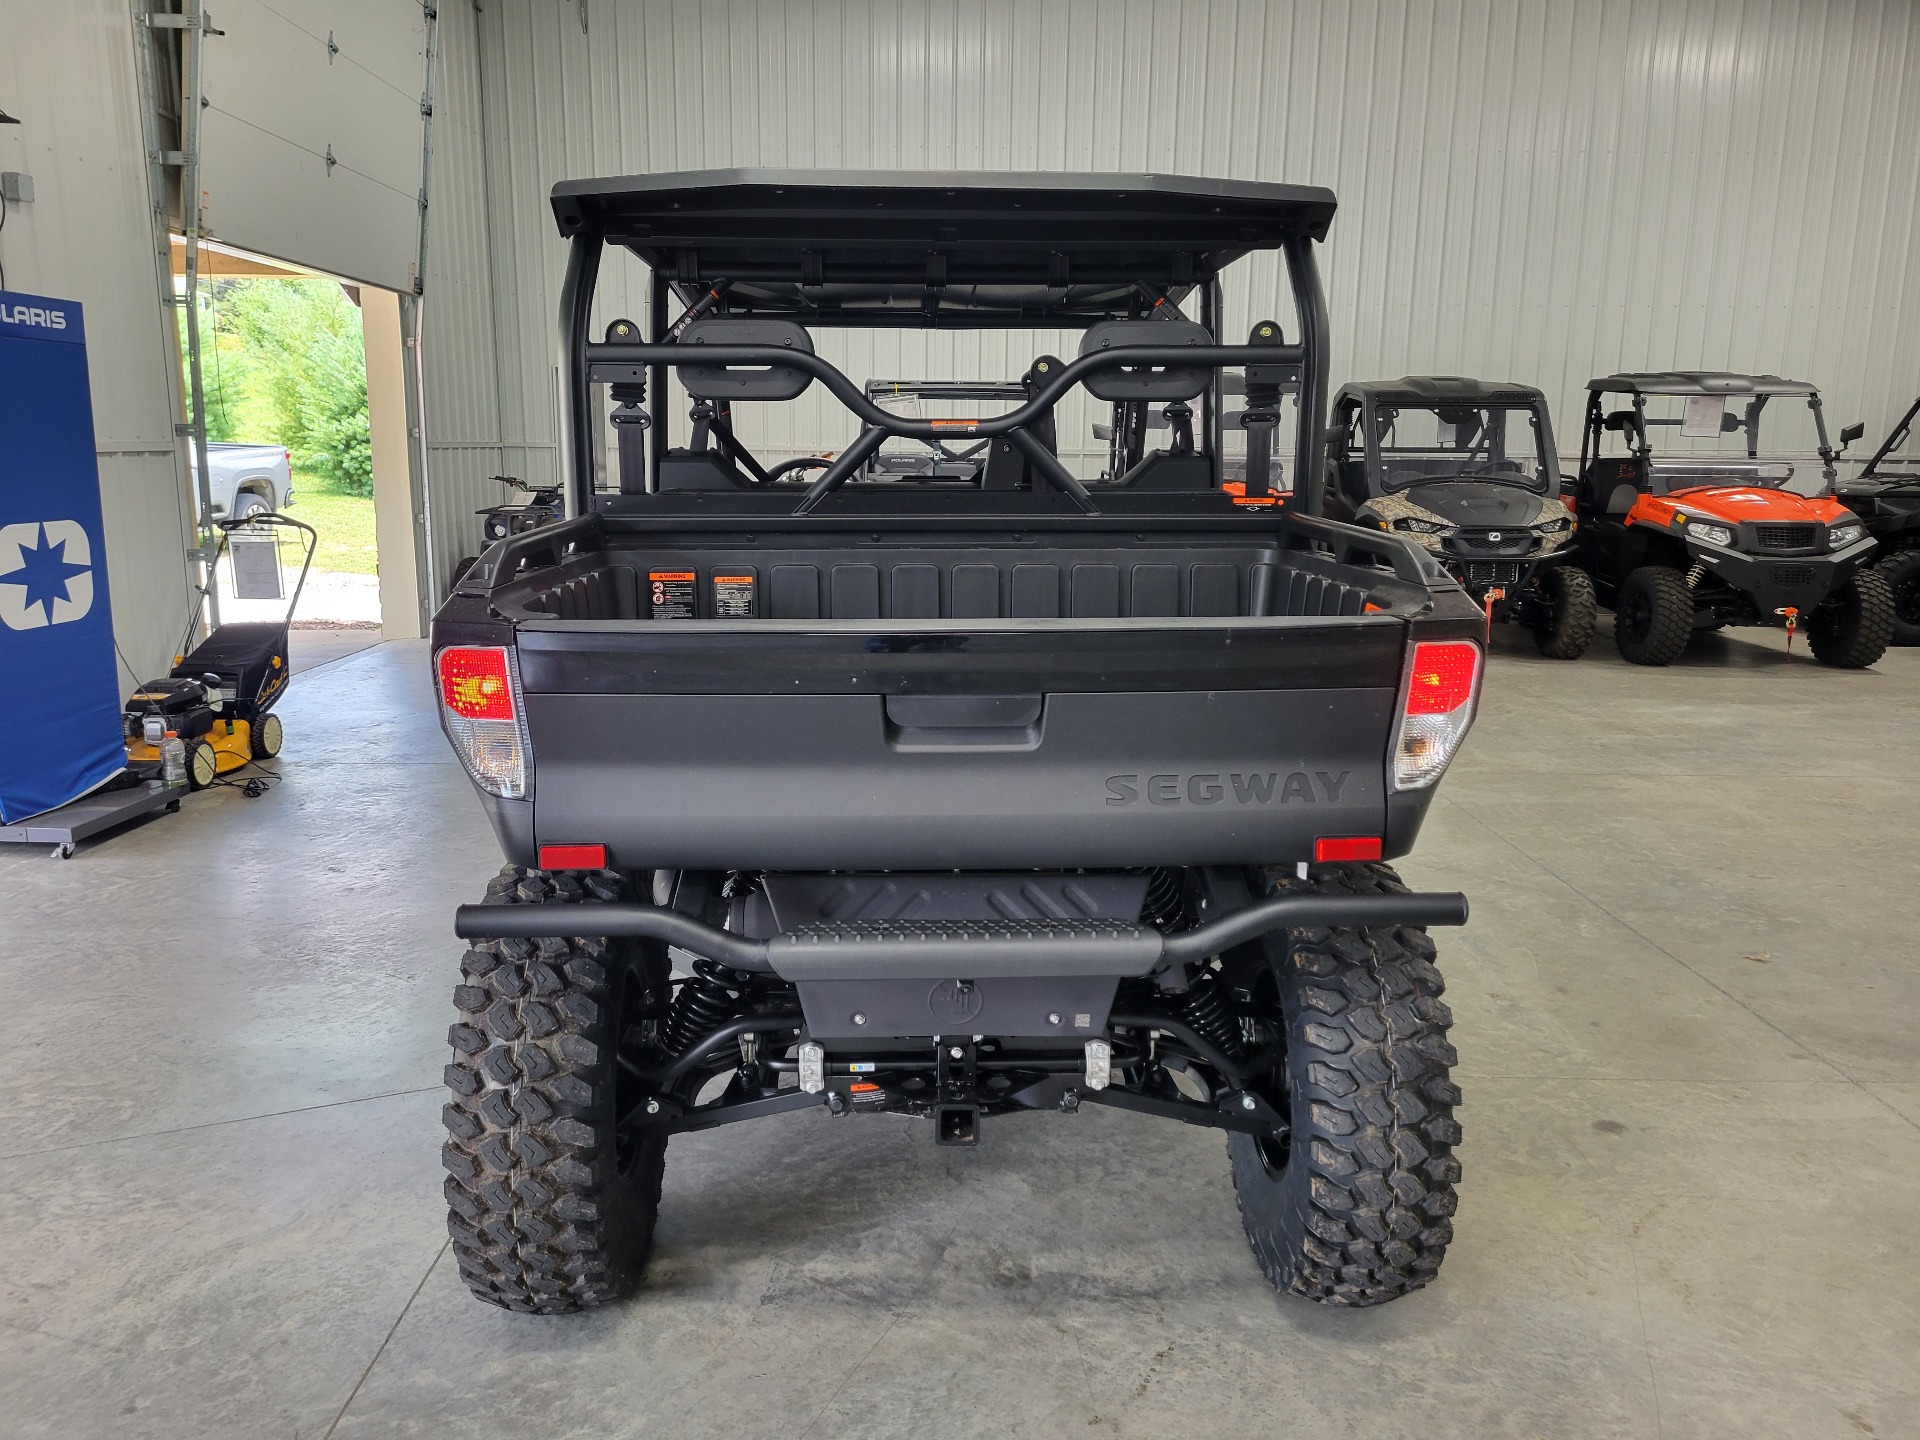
[
  {"x": 1537, "y": 190},
  {"x": 292, "y": 82},
  {"x": 67, "y": 72}
]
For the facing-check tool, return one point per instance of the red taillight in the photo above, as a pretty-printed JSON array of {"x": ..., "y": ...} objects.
[
  {"x": 573, "y": 857},
  {"x": 1443, "y": 677},
  {"x": 1329, "y": 848},
  {"x": 474, "y": 684}
]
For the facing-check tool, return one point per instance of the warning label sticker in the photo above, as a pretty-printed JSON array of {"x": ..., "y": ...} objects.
[
  {"x": 670, "y": 594},
  {"x": 732, "y": 597}
]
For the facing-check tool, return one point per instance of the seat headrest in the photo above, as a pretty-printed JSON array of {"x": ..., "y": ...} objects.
[
  {"x": 1145, "y": 382},
  {"x": 719, "y": 382}
]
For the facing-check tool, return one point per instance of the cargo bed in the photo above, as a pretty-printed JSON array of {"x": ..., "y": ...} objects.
[{"x": 1084, "y": 695}]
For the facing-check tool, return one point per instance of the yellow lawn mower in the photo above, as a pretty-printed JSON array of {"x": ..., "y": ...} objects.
[{"x": 219, "y": 697}]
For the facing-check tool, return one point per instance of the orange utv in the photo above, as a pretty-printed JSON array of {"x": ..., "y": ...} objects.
[{"x": 1714, "y": 530}]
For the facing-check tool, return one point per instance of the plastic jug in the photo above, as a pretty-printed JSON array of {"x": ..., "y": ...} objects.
[{"x": 173, "y": 760}]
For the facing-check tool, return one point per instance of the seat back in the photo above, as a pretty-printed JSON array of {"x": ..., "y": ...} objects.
[{"x": 1146, "y": 382}]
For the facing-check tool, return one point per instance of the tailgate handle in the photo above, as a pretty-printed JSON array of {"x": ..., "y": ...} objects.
[
  {"x": 964, "y": 722},
  {"x": 963, "y": 712}
]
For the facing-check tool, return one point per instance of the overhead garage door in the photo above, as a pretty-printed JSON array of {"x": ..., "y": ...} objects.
[{"x": 311, "y": 139}]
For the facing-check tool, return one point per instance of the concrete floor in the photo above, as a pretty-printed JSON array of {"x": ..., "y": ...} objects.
[
  {"x": 1687, "y": 1011},
  {"x": 309, "y": 647}
]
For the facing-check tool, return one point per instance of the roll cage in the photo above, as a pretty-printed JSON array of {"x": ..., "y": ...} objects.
[
  {"x": 1634, "y": 423},
  {"x": 768, "y": 254},
  {"x": 1375, "y": 404},
  {"x": 1896, "y": 437}
]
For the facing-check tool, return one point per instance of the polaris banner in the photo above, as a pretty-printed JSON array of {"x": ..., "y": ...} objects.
[{"x": 56, "y": 628}]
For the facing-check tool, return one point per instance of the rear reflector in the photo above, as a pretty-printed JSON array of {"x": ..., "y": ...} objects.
[
  {"x": 573, "y": 857},
  {"x": 1329, "y": 848},
  {"x": 1443, "y": 682},
  {"x": 478, "y": 702}
]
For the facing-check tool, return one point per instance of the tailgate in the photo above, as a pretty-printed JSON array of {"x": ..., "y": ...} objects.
[{"x": 1039, "y": 744}]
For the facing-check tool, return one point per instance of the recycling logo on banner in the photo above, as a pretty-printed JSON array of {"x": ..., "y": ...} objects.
[{"x": 46, "y": 574}]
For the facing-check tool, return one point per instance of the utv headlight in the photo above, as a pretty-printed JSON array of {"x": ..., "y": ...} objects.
[
  {"x": 1843, "y": 535},
  {"x": 1710, "y": 534},
  {"x": 1421, "y": 527},
  {"x": 1559, "y": 525}
]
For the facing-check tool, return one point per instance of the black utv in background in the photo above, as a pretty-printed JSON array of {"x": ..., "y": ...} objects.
[
  {"x": 961, "y": 793},
  {"x": 1888, "y": 501},
  {"x": 1466, "y": 469}
]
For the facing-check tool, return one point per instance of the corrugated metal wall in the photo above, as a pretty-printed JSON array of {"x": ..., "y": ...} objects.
[
  {"x": 1537, "y": 190},
  {"x": 67, "y": 72}
]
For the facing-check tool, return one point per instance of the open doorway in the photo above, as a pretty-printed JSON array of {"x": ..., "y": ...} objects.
[{"x": 305, "y": 412}]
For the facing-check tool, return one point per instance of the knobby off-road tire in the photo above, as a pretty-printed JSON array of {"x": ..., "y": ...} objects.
[
  {"x": 1572, "y": 613},
  {"x": 1353, "y": 1206},
  {"x": 1853, "y": 629},
  {"x": 1901, "y": 571},
  {"x": 1653, "y": 615},
  {"x": 549, "y": 1208}
]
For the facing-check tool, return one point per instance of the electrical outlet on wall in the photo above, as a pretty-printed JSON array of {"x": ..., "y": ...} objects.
[{"x": 16, "y": 186}]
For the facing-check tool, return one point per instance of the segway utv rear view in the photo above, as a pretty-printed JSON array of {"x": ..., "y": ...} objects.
[{"x": 218, "y": 698}]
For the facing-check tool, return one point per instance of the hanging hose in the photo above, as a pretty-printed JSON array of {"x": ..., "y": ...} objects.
[
  {"x": 1208, "y": 1011},
  {"x": 703, "y": 1003}
]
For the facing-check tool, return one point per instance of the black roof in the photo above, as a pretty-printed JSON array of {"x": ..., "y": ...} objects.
[
  {"x": 865, "y": 246},
  {"x": 1443, "y": 389},
  {"x": 1699, "y": 382}
]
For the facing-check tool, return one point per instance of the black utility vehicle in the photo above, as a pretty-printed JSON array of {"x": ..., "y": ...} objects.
[
  {"x": 1699, "y": 535},
  {"x": 1466, "y": 469},
  {"x": 1888, "y": 501},
  {"x": 965, "y": 796}
]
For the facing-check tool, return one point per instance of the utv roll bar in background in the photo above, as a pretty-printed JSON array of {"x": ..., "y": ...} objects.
[{"x": 935, "y": 250}]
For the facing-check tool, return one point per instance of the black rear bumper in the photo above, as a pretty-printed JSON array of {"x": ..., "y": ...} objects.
[{"x": 963, "y": 948}]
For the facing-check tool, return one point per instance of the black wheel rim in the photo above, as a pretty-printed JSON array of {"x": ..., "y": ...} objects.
[
  {"x": 1906, "y": 602},
  {"x": 1275, "y": 1151},
  {"x": 1637, "y": 618},
  {"x": 630, "y": 1140}
]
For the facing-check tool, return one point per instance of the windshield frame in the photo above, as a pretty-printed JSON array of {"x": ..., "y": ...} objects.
[{"x": 1546, "y": 481}]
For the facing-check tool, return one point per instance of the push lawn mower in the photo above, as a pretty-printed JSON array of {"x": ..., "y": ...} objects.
[{"x": 219, "y": 697}]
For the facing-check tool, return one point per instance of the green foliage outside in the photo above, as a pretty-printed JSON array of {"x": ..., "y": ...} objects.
[
  {"x": 283, "y": 363},
  {"x": 345, "y": 526}
]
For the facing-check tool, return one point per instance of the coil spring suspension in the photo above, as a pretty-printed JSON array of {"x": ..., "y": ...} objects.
[
  {"x": 1696, "y": 574},
  {"x": 704, "y": 1002},
  {"x": 1165, "y": 907},
  {"x": 1208, "y": 1010}
]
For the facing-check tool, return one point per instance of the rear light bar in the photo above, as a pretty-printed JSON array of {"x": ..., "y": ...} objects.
[
  {"x": 573, "y": 857},
  {"x": 1437, "y": 703},
  {"x": 479, "y": 689}
]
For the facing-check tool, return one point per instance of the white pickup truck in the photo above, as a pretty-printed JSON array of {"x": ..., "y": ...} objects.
[{"x": 246, "y": 478}]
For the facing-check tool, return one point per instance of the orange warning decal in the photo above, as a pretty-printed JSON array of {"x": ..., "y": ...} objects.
[
  {"x": 861, "y": 1087},
  {"x": 1238, "y": 490},
  {"x": 954, "y": 424},
  {"x": 670, "y": 575},
  {"x": 721, "y": 579}
]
